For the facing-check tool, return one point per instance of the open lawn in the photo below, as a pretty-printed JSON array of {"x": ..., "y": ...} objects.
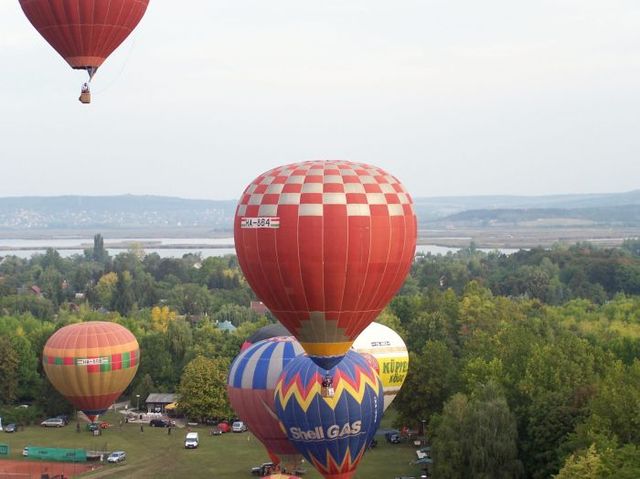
[{"x": 156, "y": 454}]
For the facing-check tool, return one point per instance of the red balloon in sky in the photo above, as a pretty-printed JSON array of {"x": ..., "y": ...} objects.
[
  {"x": 84, "y": 32},
  {"x": 325, "y": 245}
]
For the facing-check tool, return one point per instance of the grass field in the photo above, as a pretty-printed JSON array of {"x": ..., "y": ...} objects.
[{"x": 156, "y": 454}]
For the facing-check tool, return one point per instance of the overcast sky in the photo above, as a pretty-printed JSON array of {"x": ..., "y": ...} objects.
[{"x": 453, "y": 97}]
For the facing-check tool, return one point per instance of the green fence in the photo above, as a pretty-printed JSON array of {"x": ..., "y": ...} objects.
[{"x": 57, "y": 454}]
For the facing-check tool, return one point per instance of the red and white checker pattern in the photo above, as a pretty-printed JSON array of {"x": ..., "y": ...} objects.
[{"x": 364, "y": 190}]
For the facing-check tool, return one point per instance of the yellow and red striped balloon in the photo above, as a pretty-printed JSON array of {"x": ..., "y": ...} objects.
[{"x": 91, "y": 364}]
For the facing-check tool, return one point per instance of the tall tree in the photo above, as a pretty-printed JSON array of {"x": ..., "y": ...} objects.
[
  {"x": 9, "y": 367},
  {"x": 477, "y": 438},
  {"x": 123, "y": 299},
  {"x": 432, "y": 378},
  {"x": 203, "y": 389},
  {"x": 99, "y": 254}
]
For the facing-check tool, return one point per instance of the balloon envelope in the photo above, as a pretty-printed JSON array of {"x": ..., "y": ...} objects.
[
  {"x": 91, "y": 364},
  {"x": 251, "y": 385},
  {"x": 331, "y": 432},
  {"x": 84, "y": 32},
  {"x": 266, "y": 332},
  {"x": 390, "y": 352},
  {"x": 325, "y": 245}
]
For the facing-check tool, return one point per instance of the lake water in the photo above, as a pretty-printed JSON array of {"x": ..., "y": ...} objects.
[{"x": 165, "y": 247}]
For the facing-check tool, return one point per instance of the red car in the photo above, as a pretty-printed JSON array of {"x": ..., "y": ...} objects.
[{"x": 224, "y": 426}]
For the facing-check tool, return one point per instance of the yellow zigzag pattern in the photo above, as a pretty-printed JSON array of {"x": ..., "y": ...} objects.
[{"x": 343, "y": 387}]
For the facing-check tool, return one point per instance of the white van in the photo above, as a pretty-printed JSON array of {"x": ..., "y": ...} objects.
[{"x": 192, "y": 440}]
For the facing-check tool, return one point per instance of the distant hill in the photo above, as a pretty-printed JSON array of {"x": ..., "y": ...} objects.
[
  {"x": 619, "y": 216},
  {"x": 100, "y": 213},
  {"x": 183, "y": 216},
  {"x": 439, "y": 207}
]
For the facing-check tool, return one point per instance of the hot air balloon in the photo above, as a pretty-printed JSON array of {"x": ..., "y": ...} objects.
[
  {"x": 91, "y": 364},
  {"x": 390, "y": 352},
  {"x": 266, "y": 332},
  {"x": 331, "y": 432},
  {"x": 325, "y": 245},
  {"x": 250, "y": 387},
  {"x": 84, "y": 32}
]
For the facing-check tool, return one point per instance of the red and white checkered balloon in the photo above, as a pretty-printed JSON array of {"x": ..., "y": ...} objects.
[{"x": 325, "y": 245}]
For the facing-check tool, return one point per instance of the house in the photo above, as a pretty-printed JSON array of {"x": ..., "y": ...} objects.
[
  {"x": 157, "y": 402},
  {"x": 259, "y": 307},
  {"x": 226, "y": 326}
]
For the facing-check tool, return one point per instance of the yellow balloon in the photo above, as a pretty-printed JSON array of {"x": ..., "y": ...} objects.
[{"x": 390, "y": 352}]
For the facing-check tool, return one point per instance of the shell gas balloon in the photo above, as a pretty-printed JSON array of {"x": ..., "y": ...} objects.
[
  {"x": 389, "y": 351},
  {"x": 250, "y": 387},
  {"x": 325, "y": 245},
  {"x": 331, "y": 432},
  {"x": 91, "y": 364},
  {"x": 84, "y": 32}
]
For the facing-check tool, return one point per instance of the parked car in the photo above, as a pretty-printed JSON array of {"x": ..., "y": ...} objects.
[
  {"x": 224, "y": 426},
  {"x": 161, "y": 423},
  {"x": 238, "y": 426},
  {"x": 52, "y": 422},
  {"x": 215, "y": 431},
  {"x": 192, "y": 440},
  {"x": 298, "y": 471},
  {"x": 263, "y": 469},
  {"x": 10, "y": 428},
  {"x": 64, "y": 417},
  {"x": 393, "y": 437},
  {"x": 424, "y": 452},
  {"x": 117, "y": 456}
]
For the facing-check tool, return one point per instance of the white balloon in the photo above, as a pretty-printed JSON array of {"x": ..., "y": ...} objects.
[{"x": 390, "y": 352}]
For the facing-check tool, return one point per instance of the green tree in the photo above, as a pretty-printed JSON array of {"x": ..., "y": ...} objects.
[
  {"x": 582, "y": 466},
  {"x": 123, "y": 299},
  {"x": 477, "y": 438},
  {"x": 106, "y": 288},
  {"x": 447, "y": 430},
  {"x": 490, "y": 438},
  {"x": 203, "y": 389},
  {"x": 432, "y": 378},
  {"x": 99, "y": 254},
  {"x": 28, "y": 377},
  {"x": 9, "y": 368}
]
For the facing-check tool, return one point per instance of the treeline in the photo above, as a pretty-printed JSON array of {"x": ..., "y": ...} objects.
[
  {"x": 513, "y": 386},
  {"x": 174, "y": 307},
  {"x": 125, "y": 283},
  {"x": 522, "y": 366},
  {"x": 553, "y": 276}
]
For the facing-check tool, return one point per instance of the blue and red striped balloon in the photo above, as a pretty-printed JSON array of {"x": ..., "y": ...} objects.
[{"x": 250, "y": 387}]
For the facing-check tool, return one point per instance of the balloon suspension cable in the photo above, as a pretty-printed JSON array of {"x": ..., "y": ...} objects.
[
  {"x": 91, "y": 71},
  {"x": 327, "y": 391}
]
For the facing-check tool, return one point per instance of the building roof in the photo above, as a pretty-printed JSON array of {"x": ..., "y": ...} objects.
[
  {"x": 259, "y": 307},
  {"x": 161, "y": 398},
  {"x": 226, "y": 326}
]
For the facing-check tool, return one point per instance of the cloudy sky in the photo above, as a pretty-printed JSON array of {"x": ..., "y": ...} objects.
[{"x": 454, "y": 97}]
